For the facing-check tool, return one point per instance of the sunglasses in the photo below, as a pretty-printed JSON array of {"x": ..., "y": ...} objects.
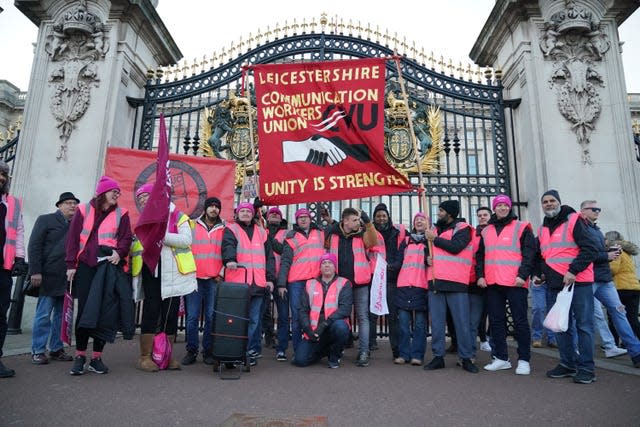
[{"x": 595, "y": 209}]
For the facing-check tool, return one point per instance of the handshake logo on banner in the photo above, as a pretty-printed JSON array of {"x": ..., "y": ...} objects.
[{"x": 319, "y": 151}]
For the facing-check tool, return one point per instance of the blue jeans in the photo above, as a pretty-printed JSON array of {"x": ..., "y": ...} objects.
[
  {"x": 540, "y": 300},
  {"x": 361, "y": 304},
  {"x": 458, "y": 303},
  {"x": 255, "y": 329},
  {"x": 331, "y": 343},
  {"x": 412, "y": 348},
  {"x": 476, "y": 308},
  {"x": 580, "y": 324},
  {"x": 497, "y": 297},
  {"x": 601, "y": 325},
  {"x": 47, "y": 323},
  {"x": 607, "y": 294},
  {"x": 295, "y": 290},
  {"x": 206, "y": 292}
]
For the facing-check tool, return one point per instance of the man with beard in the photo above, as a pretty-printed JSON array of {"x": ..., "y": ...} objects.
[
  {"x": 451, "y": 261},
  {"x": 505, "y": 259},
  {"x": 393, "y": 235},
  {"x": 302, "y": 249},
  {"x": 207, "y": 251},
  {"x": 12, "y": 243},
  {"x": 349, "y": 240},
  {"x": 568, "y": 250}
]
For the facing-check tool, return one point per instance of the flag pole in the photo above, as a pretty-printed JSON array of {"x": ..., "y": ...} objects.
[
  {"x": 421, "y": 190},
  {"x": 253, "y": 152}
]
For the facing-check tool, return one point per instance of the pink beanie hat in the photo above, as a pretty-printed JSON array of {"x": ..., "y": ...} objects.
[
  {"x": 246, "y": 205},
  {"x": 146, "y": 188},
  {"x": 329, "y": 257},
  {"x": 106, "y": 184},
  {"x": 302, "y": 212},
  {"x": 274, "y": 210},
  {"x": 419, "y": 215},
  {"x": 501, "y": 198}
]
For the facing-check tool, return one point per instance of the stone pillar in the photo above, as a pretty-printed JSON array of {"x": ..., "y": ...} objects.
[
  {"x": 90, "y": 56},
  {"x": 572, "y": 128}
]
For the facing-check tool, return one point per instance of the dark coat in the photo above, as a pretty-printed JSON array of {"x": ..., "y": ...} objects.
[
  {"x": 46, "y": 253},
  {"x": 109, "y": 307}
]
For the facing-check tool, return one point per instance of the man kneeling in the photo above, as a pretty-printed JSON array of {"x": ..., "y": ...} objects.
[{"x": 324, "y": 316}]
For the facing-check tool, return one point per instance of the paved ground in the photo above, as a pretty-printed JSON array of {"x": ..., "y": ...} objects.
[{"x": 383, "y": 394}]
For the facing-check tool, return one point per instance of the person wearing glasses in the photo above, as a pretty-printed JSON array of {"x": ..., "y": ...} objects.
[
  {"x": 99, "y": 229},
  {"x": 603, "y": 287}
]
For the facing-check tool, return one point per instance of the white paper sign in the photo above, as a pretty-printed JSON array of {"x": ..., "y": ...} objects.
[{"x": 378, "y": 297}]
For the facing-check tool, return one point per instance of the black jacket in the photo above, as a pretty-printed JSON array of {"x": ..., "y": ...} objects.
[
  {"x": 109, "y": 307},
  {"x": 230, "y": 248},
  {"x": 528, "y": 248},
  {"x": 345, "y": 248},
  {"x": 457, "y": 244},
  {"x": 390, "y": 236},
  {"x": 583, "y": 238},
  {"x": 287, "y": 253},
  {"x": 345, "y": 304},
  {"x": 601, "y": 269},
  {"x": 46, "y": 253}
]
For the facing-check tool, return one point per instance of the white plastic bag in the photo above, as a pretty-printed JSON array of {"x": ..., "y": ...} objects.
[{"x": 557, "y": 319}]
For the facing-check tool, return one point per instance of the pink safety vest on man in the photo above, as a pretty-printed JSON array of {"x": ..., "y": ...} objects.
[
  {"x": 475, "y": 244},
  {"x": 361, "y": 267},
  {"x": 13, "y": 245},
  {"x": 306, "y": 255},
  {"x": 414, "y": 270},
  {"x": 559, "y": 249},
  {"x": 318, "y": 301},
  {"x": 502, "y": 253},
  {"x": 107, "y": 230},
  {"x": 249, "y": 253},
  {"x": 452, "y": 267},
  {"x": 207, "y": 250}
]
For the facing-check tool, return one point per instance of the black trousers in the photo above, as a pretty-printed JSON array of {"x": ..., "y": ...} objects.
[
  {"x": 81, "y": 285},
  {"x": 157, "y": 314}
]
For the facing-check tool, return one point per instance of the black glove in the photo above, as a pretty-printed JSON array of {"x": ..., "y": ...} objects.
[
  {"x": 417, "y": 237},
  {"x": 257, "y": 203},
  {"x": 321, "y": 327},
  {"x": 364, "y": 217},
  {"x": 20, "y": 268}
]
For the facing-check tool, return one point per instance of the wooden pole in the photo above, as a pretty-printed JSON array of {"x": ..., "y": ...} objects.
[{"x": 421, "y": 190}]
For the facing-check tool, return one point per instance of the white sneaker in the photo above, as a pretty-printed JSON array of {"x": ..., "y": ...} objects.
[
  {"x": 614, "y": 352},
  {"x": 524, "y": 368},
  {"x": 485, "y": 346},
  {"x": 498, "y": 364}
]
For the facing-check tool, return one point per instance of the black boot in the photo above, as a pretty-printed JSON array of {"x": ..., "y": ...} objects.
[
  {"x": 6, "y": 372},
  {"x": 436, "y": 363},
  {"x": 469, "y": 366}
]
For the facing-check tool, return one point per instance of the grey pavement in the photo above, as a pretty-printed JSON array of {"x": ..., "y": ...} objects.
[{"x": 275, "y": 393}]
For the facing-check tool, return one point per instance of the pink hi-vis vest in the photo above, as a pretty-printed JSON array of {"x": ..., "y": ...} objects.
[
  {"x": 453, "y": 267},
  {"x": 413, "y": 271},
  {"x": 372, "y": 253},
  {"x": 280, "y": 234},
  {"x": 502, "y": 254},
  {"x": 108, "y": 229},
  {"x": 249, "y": 253},
  {"x": 475, "y": 243},
  {"x": 361, "y": 268},
  {"x": 11, "y": 221},
  {"x": 306, "y": 255},
  {"x": 206, "y": 247},
  {"x": 317, "y": 300},
  {"x": 559, "y": 249}
]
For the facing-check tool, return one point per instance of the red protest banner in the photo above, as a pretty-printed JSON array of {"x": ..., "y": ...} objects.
[
  {"x": 321, "y": 131},
  {"x": 193, "y": 179}
]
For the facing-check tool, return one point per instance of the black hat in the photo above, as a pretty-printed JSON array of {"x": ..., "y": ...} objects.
[
  {"x": 381, "y": 207},
  {"x": 552, "y": 193},
  {"x": 212, "y": 201},
  {"x": 452, "y": 207},
  {"x": 67, "y": 196}
]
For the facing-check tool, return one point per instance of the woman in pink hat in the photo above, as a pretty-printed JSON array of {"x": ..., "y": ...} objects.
[{"x": 99, "y": 229}]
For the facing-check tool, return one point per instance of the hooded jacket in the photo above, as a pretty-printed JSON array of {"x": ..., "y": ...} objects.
[{"x": 624, "y": 270}]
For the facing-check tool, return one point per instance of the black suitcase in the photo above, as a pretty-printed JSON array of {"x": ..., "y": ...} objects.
[{"x": 231, "y": 325}]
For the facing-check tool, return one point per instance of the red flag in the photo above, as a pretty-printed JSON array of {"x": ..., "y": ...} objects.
[
  {"x": 321, "y": 131},
  {"x": 152, "y": 224}
]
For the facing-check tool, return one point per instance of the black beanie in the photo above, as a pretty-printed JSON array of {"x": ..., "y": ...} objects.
[
  {"x": 380, "y": 207},
  {"x": 212, "y": 201},
  {"x": 452, "y": 207},
  {"x": 552, "y": 193}
]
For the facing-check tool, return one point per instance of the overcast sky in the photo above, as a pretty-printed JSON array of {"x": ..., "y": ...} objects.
[{"x": 201, "y": 26}]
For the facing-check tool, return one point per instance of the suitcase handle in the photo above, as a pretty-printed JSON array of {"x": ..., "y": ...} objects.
[{"x": 246, "y": 274}]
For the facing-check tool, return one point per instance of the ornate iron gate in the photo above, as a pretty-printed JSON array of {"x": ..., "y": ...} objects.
[{"x": 463, "y": 148}]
